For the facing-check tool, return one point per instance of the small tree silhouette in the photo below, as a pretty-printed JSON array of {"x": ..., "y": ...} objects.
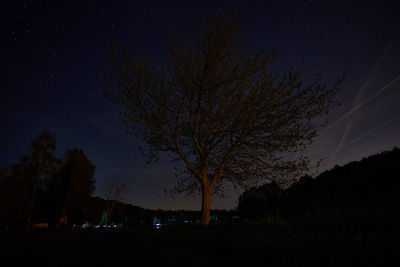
[{"x": 114, "y": 190}]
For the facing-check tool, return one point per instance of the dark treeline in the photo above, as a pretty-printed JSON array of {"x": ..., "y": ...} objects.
[
  {"x": 130, "y": 215},
  {"x": 41, "y": 188},
  {"x": 44, "y": 188},
  {"x": 359, "y": 193},
  {"x": 57, "y": 192}
]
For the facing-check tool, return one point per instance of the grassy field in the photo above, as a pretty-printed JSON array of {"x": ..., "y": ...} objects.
[{"x": 234, "y": 245}]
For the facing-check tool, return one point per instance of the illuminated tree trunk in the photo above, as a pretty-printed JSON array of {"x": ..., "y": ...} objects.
[{"x": 205, "y": 205}]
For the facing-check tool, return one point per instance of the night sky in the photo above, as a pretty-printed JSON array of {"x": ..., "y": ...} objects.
[{"x": 51, "y": 51}]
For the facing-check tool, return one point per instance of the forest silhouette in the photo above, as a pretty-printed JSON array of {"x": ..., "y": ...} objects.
[
  {"x": 360, "y": 193},
  {"x": 346, "y": 216}
]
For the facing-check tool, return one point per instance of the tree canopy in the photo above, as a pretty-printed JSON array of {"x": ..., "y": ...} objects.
[{"x": 218, "y": 108}]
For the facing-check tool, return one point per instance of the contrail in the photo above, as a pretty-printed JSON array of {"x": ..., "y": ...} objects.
[
  {"x": 378, "y": 65},
  {"x": 343, "y": 139},
  {"x": 357, "y": 107},
  {"x": 341, "y": 142},
  {"x": 370, "y": 132}
]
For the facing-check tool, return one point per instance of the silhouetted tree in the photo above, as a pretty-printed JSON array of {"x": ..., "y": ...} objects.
[
  {"x": 42, "y": 156},
  {"x": 260, "y": 202},
  {"x": 218, "y": 108},
  {"x": 114, "y": 191},
  {"x": 74, "y": 183},
  {"x": 35, "y": 167},
  {"x": 15, "y": 198}
]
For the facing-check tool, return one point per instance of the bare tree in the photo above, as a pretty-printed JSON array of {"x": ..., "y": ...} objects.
[
  {"x": 218, "y": 108},
  {"x": 114, "y": 190}
]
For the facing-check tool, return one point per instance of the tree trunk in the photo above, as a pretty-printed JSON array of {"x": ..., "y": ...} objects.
[{"x": 205, "y": 206}]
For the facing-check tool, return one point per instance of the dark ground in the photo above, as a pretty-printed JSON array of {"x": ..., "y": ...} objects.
[{"x": 238, "y": 245}]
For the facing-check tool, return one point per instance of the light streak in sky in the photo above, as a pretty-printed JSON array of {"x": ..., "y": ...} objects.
[
  {"x": 358, "y": 106},
  {"x": 378, "y": 67},
  {"x": 341, "y": 142},
  {"x": 369, "y": 132},
  {"x": 355, "y": 108}
]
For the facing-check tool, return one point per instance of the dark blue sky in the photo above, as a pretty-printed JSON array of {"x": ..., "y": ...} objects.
[{"x": 51, "y": 51}]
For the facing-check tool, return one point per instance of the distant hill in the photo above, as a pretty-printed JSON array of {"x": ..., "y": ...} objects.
[{"x": 359, "y": 192}]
